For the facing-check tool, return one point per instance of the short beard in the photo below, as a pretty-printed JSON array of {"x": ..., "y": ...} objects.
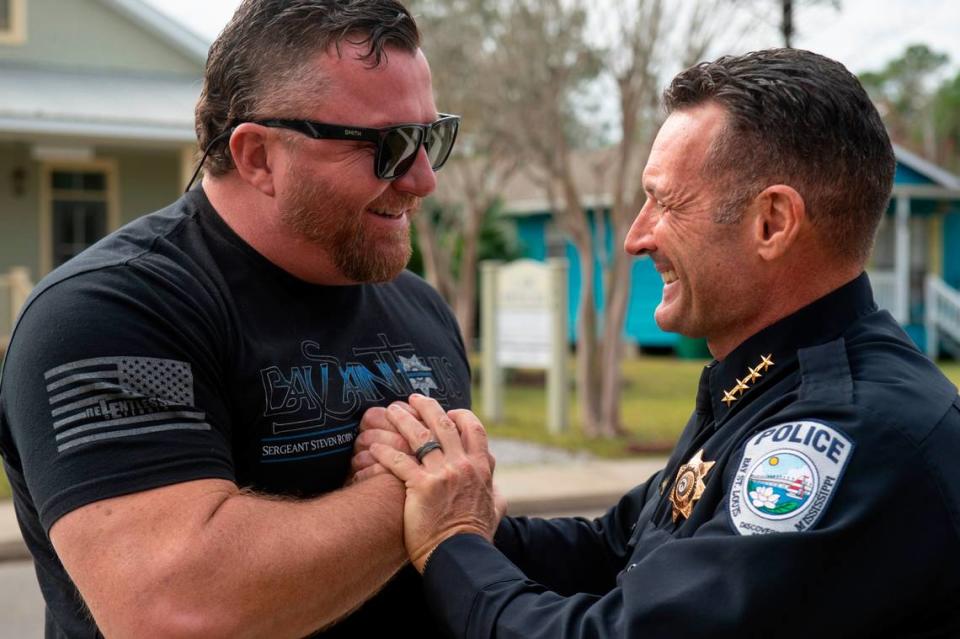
[{"x": 318, "y": 213}]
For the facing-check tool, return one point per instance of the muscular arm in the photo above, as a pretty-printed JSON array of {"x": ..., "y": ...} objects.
[{"x": 205, "y": 559}]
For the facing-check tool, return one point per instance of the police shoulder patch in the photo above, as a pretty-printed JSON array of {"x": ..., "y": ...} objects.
[{"x": 787, "y": 476}]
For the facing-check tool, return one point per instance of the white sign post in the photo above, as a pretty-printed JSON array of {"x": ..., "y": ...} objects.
[{"x": 524, "y": 325}]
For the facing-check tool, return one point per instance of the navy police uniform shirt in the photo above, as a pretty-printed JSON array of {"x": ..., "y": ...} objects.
[{"x": 815, "y": 492}]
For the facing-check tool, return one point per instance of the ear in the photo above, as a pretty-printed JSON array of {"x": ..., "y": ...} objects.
[
  {"x": 250, "y": 145},
  {"x": 781, "y": 213}
]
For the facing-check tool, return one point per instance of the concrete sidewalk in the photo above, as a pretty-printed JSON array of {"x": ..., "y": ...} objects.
[{"x": 531, "y": 489}]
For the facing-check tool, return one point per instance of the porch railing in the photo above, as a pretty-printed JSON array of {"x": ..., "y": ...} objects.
[
  {"x": 884, "y": 284},
  {"x": 941, "y": 315},
  {"x": 15, "y": 287}
]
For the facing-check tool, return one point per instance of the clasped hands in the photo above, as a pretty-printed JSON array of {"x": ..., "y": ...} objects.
[{"x": 451, "y": 490}]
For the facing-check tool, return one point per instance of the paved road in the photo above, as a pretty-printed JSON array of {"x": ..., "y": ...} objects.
[{"x": 21, "y": 608}]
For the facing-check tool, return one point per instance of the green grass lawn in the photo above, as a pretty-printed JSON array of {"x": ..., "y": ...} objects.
[{"x": 658, "y": 397}]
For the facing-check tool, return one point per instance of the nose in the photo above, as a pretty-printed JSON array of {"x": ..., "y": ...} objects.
[
  {"x": 420, "y": 180},
  {"x": 639, "y": 240}
]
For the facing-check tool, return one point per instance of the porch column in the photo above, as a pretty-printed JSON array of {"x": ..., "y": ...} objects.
[{"x": 901, "y": 260}]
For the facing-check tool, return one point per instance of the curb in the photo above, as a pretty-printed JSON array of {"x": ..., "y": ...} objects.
[{"x": 534, "y": 507}]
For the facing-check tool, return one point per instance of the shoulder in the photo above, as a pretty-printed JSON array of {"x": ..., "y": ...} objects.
[
  {"x": 873, "y": 419},
  {"x": 894, "y": 383},
  {"x": 161, "y": 254},
  {"x": 875, "y": 374},
  {"x": 410, "y": 290},
  {"x": 159, "y": 239},
  {"x": 123, "y": 290}
]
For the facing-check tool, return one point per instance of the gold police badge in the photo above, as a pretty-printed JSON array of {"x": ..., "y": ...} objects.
[{"x": 689, "y": 486}]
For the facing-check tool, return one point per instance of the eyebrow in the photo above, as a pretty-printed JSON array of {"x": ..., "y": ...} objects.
[{"x": 651, "y": 191}]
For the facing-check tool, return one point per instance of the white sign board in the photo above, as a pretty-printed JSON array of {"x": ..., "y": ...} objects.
[
  {"x": 524, "y": 315},
  {"x": 524, "y": 325}
]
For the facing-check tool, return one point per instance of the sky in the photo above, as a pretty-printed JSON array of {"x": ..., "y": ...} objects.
[{"x": 862, "y": 34}]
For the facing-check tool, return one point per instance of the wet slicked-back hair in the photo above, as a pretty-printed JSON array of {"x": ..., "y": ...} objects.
[
  {"x": 258, "y": 65},
  {"x": 795, "y": 118}
]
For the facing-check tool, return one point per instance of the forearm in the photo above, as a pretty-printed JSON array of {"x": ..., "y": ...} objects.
[
  {"x": 533, "y": 545},
  {"x": 250, "y": 565},
  {"x": 593, "y": 550},
  {"x": 328, "y": 554}
]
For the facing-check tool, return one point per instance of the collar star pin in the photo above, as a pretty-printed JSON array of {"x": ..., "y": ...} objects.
[
  {"x": 729, "y": 398},
  {"x": 743, "y": 385},
  {"x": 689, "y": 486}
]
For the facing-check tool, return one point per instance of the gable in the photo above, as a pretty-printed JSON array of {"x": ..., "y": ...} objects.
[
  {"x": 906, "y": 175},
  {"x": 96, "y": 35}
]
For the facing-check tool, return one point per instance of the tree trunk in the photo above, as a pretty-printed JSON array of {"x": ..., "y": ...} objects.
[
  {"x": 616, "y": 299},
  {"x": 466, "y": 294},
  {"x": 434, "y": 269},
  {"x": 588, "y": 353}
]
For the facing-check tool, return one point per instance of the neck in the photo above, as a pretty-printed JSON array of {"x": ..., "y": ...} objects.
[
  {"x": 255, "y": 218},
  {"x": 785, "y": 293}
]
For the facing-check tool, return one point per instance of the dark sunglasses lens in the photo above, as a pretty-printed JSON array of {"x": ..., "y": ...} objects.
[
  {"x": 398, "y": 150},
  {"x": 439, "y": 142}
]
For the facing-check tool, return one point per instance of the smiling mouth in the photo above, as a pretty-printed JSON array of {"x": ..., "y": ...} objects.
[
  {"x": 669, "y": 277},
  {"x": 390, "y": 215}
]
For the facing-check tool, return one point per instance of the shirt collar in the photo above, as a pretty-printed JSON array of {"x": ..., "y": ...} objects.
[{"x": 762, "y": 355}]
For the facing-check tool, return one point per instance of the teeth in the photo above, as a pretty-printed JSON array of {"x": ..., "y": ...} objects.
[
  {"x": 389, "y": 214},
  {"x": 669, "y": 276}
]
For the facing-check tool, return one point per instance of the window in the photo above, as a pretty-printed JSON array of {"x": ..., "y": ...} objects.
[
  {"x": 79, "y": 208},
  {"x": 13, "y": 21}
]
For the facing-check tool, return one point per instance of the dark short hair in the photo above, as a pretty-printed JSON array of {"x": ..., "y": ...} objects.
[
  {"x": 260, "y": 58},
  {"x": 796, "y": 118}
]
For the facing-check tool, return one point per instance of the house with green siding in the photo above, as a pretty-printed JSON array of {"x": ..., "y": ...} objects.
[{"x": 96, "y": 126}]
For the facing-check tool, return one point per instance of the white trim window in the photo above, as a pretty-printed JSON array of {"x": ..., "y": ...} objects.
[{"x": 78, "y": 207}]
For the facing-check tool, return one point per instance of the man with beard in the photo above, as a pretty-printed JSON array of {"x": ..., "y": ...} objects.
[{"x": 180, "y": 402}]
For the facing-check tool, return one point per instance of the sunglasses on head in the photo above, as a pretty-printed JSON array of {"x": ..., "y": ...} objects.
[{"x": 397, "y": 145}]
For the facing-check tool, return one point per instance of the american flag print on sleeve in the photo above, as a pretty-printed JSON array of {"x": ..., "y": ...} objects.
[{"x": 105, "y": 398}]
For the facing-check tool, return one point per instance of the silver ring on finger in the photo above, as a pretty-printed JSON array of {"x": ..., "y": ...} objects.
[{"x": 426, "y": 448}]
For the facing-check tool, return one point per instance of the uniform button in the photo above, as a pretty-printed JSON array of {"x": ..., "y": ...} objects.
[
  {"x": 633, "y": 526},
  {"x": 631, "y": 567}
]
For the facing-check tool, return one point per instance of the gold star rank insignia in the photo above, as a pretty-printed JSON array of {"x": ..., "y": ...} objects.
[
  {"x": 766, "y": 361},
  {"x": 741, "y": 386},
  {"x": 689, "y": 486}
]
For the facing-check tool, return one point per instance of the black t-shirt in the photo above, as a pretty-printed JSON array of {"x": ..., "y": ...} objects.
[{"x": 172, "y": 351}]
